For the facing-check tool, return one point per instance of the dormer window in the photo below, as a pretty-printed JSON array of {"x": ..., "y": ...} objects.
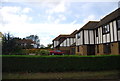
[
  {"x": 118, "y": 23},
  {"x": 78, "y": 35},
  {"x": 106, "y": 29}
]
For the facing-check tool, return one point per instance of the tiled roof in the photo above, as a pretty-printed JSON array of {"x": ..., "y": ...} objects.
[
  {"x": 89, "y": 25},
  {"x": 113, "y": 15},
  {"x": 73, "y": 33},
  {"x": 66, "y": 35},
  {"x": 60, "y": 36}
]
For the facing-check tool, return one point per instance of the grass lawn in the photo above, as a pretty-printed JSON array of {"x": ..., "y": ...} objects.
[{"x": 64, "y": 75}]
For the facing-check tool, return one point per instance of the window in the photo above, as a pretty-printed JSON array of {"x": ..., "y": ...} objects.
[
  {"x": 97, "y": 48},
  {"x": 78, "y": 35},
  {"x": 78, "y": 49},
  {"x": 106, "y": 48},
  {"x": 96, "y": 32},
  {"x": 118, "y": 23},
  {"x": 106, "y": 29},
  {"x": 57, "y": 51},
  {"x": 119, "y": 47}
]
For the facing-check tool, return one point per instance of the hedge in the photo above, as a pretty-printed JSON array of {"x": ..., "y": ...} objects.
[{"x": 59, "y": 63}]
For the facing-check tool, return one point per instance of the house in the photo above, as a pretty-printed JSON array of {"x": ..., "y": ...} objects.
[
  {"x": 65, "y": 43},
  {"x": 68, "y": 45},
  {"x": 85, "y": 39},
  {"x": 58, "y": 40},
  {"x": 94, "y": 38},
  {"x": 100, "y": 38},
  {"x": 107, "y": 34},
  {"x": 25, "y": 43}
]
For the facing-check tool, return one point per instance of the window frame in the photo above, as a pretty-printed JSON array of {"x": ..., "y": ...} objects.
[
  {"x": 103, "y": 28},
  {"x": 78, "y": 35},
  {"x": 118, "y": 25},
  {"x": 106, "y": 29}
]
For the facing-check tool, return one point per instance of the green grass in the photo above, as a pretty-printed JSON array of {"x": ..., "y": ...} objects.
[{"x": 64, "y": 75}]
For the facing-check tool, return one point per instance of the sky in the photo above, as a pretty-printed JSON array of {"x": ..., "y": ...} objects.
[{"x": 50, "y": 18}]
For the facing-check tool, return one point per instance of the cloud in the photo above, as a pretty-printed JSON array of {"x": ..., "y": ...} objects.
[
  {"x": 54, "y": 12},
  {"x": 26, "y": 10},
  {"x": 17, "y": 18},
  {"x": 73, "y": 22},
  {"x": 50, "y": 19},
  {"x": 62, "y": 17},
  {"x": 59, "y": 0},
  {"x": 46, "y": 32},
  {"x": 14, "y": 14},
  {"x": 55, "y": 19},
  {"x": 59, "y": 7},
  {"x": 77, "y": 16},
  {"x": 59, "y": 19},
  {"x": 89, "y": 18},
  {"x": 11, "y": 10}
]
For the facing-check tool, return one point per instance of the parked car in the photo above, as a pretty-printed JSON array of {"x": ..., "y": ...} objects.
[{"x": 56, "y": 52}]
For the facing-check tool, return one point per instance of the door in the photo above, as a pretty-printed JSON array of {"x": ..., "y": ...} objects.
[{"x": 91, "y": 50}]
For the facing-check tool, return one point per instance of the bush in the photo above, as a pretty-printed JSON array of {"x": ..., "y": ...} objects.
[
  {"x": 19, "y": 52},
  {"x": 31, "y": 51},
  {"x": 36, "y": 51},
  {"x": 43, "y": 52},
  {"x": 24, "y": 63}
]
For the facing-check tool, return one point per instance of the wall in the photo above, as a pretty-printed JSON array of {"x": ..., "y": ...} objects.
[
  {"x": 100, "y": 49},
  {"x": 113, "y": 46},
  {"x": 82, "y": 50},
  {"x": 72, "y": 50},
  {"x": 65, "y": 49}
]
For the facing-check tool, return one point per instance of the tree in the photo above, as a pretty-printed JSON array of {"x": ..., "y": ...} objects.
[
  {"x": 49, "y": 46},
  {"x": 9, "y": 44},
  {"x": 36, "y": 39}
]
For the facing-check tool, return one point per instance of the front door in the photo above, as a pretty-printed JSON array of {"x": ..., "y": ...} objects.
[{"x": 91, "y": 50}]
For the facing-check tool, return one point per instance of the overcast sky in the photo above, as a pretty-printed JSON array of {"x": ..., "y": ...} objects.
[{"x": 48, "y": 19}]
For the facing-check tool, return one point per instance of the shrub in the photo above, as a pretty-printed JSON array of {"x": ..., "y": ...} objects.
[
  {"x": 19, "y": 52},
  {"x": 24, "y": 63},
  {"x": 31, "y": 51},
  {"x": 43, "y": 52}
]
